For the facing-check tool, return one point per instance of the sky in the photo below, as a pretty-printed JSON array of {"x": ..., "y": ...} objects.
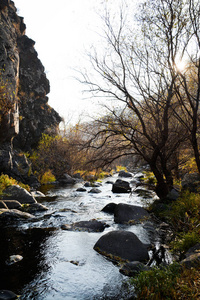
[{"x": 63, "y": 30}]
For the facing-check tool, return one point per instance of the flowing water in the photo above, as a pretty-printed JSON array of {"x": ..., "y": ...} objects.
[{"x": 59, "y": 264}]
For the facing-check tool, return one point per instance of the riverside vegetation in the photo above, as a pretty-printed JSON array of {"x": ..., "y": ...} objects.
[{"x": 154, "y": 122}]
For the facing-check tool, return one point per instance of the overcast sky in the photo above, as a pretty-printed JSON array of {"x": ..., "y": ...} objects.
[{"x": 63, "y": 30}]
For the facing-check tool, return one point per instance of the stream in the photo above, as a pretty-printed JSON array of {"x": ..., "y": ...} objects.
[{"x": 59, "y": 264}]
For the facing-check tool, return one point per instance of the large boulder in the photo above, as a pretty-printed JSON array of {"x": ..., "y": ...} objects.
[
  {"x": 12, "y": 204},
  {"x": 128, "y": 214},
  {"x": 13, "y": 214},
  {"x": 123, "y": 173},
  {"x": 121, "y": 186},
  {"x": 122, "y": 246},
  {"x": 191, "y": 182},
  {"x": 67, "y": 179},
  {"x": 109, "y": 208},
  {"x": 89, "y": 226},
  {"x": 15, "y": 192}
]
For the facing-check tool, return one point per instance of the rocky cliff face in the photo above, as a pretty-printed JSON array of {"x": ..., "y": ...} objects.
[{"x": 24, "y": 110}]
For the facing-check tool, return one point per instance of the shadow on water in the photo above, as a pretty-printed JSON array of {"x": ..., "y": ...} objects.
[{"x": 30, "y": 244}]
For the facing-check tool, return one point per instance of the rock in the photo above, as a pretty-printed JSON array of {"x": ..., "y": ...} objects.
[
  {"x": 128, "y": 214},
  {"x": 15, "y": 192},
  {"x": 67, "y": 179},
  {"x": 123, "y": 173},
  {"x": 109, "y": 182},
  {"x": 77, "y": 176},
  {"x": 173, "y": 194},
  {"x": 90, "y": 226},
  {"x": 81, "y": 190},
  {"x": 4, "y": 4},
  {"x": 14, "y": 259},
  {"x": 109, "y": 208},
  {"x": 133, "y": 268},
  {"x": 121, "y": 186},
  {"x": 94, "y": 191},
  {"x": 88, "y": 184},
  {"x": 3, "y": 205},
  {"x": 12, "y": 204},
  {"x": 37, "y": 194},
  {"x": 7, "y": 295},
  {"x": 192, "y": 257},
  {"x": 34, "y": 207},
  {"x": 122, "y": 246},
  {"x": 12, "y": 214},
  {"x": 191, "y": 261},
  {"x": 191, "y": 182},
  {"x": 143, "y": 193}
]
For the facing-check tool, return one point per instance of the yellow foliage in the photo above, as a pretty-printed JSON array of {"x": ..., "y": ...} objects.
[{"x": 47, "y": 177}]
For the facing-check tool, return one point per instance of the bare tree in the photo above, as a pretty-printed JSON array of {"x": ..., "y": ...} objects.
[
  {"x": 139, "y": 72},
  {"x": 188, "y": 81}
]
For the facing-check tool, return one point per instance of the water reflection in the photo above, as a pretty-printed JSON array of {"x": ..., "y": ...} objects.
[{"x": 31, "y": 245}]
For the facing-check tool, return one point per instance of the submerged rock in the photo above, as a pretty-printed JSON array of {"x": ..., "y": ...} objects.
[
  {"x": 121, "y": 186},
  {"x": 90, "y": 226},
  {"x": 126, "y": 214},
  {"x": 122, "y": 246}
]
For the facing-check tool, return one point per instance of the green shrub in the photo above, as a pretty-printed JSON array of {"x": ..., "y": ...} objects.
[
  {"x": 185, "y": 241},
  {"x": 157, "y": 283}
]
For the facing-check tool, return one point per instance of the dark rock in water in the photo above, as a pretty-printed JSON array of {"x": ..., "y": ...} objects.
[
  {"x": 15, "y": 192},
  {"x": 88, "y": 184},
  {"x": 121, "y": 186},
  {"x": 123, "y": 173},
  {"x": 67, "y": 179},
  {"x": 94, "y": 191},
  {"x": 34, "y": 207},
  {"x": 191, "y": 182},
  {"x": 122, "y": 246},
  {"x": 7, "y": 295},
  {"x": 127, "y": 214},
  {"x": 109, "y": 208},
  {"x": 12, "y": 204},
  {"x": 90, "y": 226},
  {"x": 109, "y": 182},
  {"x": 81, "y": 190},
  {"x": 133, "y": 268}
]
